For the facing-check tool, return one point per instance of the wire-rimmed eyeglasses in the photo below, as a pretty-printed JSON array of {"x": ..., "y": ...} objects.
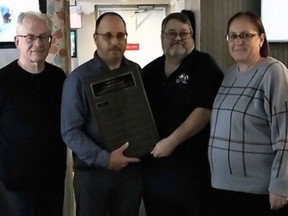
[
  {"x": 173, "y": 34},
  {"x": 244, "y": 36},
  {"x": 108, "y": 36},
  {"x": 32, "y": 38}
]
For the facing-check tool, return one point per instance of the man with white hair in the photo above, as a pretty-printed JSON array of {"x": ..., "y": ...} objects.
[{"x": 32, "y": 153}]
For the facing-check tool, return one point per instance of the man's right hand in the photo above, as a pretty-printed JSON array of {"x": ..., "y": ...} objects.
[{"x": 118, "y": 160}]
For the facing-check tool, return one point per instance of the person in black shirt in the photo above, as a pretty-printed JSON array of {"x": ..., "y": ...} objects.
[
  {"x": 32, "y": 153},
  {"x": 181, "y": 86}
]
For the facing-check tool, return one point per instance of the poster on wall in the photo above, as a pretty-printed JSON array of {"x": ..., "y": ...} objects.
[
  {"x": 10, "y": 9},
  {"x": 72, "y": 2},
  {"x": 75, "y": 17},
  {"x": 274, "y": 17},
  {"x": 73, "y": 38}
]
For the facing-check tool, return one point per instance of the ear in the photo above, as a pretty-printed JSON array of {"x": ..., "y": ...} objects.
[
  {"x": 262, "y": 38},
  {"x": 50, "y": 44},
  {"x": 16, "y": 41},
  {"x": 95, "y": 38}
]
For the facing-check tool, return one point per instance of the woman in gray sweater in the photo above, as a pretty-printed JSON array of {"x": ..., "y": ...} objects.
[{"x": 248, "y": 147}]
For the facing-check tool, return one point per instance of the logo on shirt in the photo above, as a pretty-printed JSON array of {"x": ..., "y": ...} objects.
[{"x": 183, "y": 78}]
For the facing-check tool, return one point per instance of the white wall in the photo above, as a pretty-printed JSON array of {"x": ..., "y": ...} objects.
[
  {"x": 177, "y": 5},
  {"x": 7, "y": 56},
  {"x": 86, "y": 46},
  {"x": 194, "y": 5},
  {"x": 85, "y": 41}
]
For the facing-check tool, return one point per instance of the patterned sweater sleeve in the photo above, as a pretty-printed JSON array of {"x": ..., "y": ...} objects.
[{"x": 276, "y": 106}]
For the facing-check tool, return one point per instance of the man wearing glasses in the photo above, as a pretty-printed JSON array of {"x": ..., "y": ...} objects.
[
  {"x": 181, "y": 86},
  {"x": 105, "y": 182},
  {"x": 32, "y": 153}
]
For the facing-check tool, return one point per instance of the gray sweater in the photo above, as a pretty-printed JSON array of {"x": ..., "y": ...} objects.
[{"x": 248, "y": 146}]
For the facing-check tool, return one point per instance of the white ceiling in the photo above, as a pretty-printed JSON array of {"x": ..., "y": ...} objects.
[
  {"x": 87, "y": 6},
  {"x": 124, "y": 2}
]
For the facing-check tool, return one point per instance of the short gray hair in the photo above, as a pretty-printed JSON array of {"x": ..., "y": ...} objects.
[{"x": 32, "y": 15}]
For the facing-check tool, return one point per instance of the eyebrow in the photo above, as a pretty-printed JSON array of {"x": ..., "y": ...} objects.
[{"x": 181, "y": 30}]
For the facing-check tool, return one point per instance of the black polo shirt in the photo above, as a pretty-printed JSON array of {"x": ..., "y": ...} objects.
[{"x": 172, "y": 99}]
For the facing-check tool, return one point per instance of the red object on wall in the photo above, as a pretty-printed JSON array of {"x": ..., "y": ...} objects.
[{"x": 132, "y": 46}]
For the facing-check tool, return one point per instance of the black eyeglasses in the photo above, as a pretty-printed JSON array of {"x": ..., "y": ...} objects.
[
  {"x": 32, "y": 38},
  {"x": 172, "y": 35},
  {"x": 108, "y": 36},
  {"x": 243, "y": 36}
]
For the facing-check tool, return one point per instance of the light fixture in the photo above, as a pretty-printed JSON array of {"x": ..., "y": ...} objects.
[{"x": 145, "y": 7}]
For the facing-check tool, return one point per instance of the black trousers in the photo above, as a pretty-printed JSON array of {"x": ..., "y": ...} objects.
[
  {"x": 232, "y": 203},
  {"x": 4, "y": 204},
  {"x": 46, "y": 201},
  {"x": 177, "y": 186},
  {"x": 173, "y": 205},
  {"x": 104, "y": 192}
]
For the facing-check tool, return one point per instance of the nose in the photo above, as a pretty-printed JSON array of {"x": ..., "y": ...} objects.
[
  {"x": 37, "y": 42},
  {"x": 114, "y": 40},
  {"x": 177, "y": 37},
  {"x": 238, "y": 40}
]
